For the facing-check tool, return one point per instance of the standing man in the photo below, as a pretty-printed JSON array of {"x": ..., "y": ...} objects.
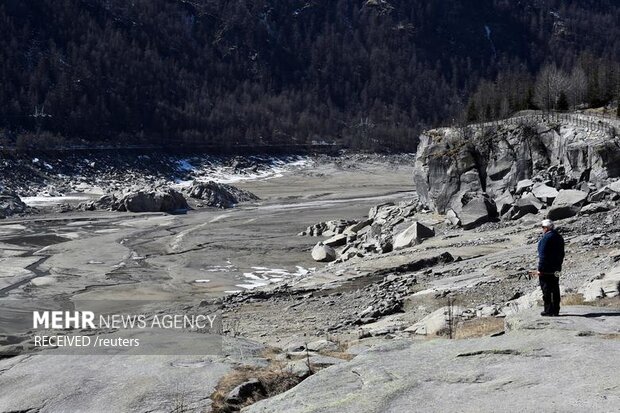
[{"x": 550, "y": 259}]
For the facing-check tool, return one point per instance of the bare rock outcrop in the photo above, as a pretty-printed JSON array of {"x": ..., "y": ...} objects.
[
  {"x": 10, "y": 203},
  {"x": 464, "y": 375},
  {"x": 509, "y": 161},
  {"x": 219, "y": 195},
  {"x": 388, "y": 226},
  {"x": 567, "y": 204},
  {"x": 607, "y": 285},
  {"x": 147, "y": 200}
]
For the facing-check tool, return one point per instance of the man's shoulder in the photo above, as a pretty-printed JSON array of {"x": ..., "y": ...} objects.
[{"x": 556, "y": 235}]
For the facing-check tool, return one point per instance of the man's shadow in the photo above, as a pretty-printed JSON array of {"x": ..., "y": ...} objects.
[{"x": 592, "y": 315}]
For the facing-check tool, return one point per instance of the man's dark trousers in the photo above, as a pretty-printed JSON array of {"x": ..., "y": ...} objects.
[{"x": 550, "y": 285}]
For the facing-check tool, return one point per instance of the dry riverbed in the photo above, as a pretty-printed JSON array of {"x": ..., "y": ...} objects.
[
  {"x": 204, "y": 254},
  {"x": 285, "y": 316}
]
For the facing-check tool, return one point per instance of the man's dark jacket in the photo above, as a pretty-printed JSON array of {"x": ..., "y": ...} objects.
[{"x": 550, "y": 252}]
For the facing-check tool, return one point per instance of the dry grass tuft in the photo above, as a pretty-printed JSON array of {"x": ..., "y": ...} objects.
[
  {"x": 572, "y": 299},
  {"x": 271, "y": 353},
  {"x": 479, "y": 327},
  {"x": 275, "y": 379},
  {"x": 577, "y": 299},
  {"x": 607, "y": 302}
]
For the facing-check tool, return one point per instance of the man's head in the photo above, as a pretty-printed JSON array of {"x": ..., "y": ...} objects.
[{"x": 547, "y": 225}]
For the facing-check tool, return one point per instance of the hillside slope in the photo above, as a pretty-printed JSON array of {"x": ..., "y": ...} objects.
[{"x": 365, "y": 73}]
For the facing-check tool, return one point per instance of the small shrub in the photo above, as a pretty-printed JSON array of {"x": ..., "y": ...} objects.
[
  {"x": 480, "y": 327},
  {"x": 572, "y": 299}
]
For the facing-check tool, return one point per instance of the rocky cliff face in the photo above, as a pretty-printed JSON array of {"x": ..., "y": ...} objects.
[{"x": 484, "y": 164}]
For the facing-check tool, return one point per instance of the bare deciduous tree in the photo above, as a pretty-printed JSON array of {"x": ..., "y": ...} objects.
[
  {"x": 550, "y": 83},
  {"x": 578, "y": 92}
]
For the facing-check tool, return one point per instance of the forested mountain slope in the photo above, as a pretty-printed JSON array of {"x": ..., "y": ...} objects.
[{"x": 365, "y": 73}]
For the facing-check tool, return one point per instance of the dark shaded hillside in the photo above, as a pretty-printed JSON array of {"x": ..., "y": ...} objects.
[{"x": 364, "y": 73}]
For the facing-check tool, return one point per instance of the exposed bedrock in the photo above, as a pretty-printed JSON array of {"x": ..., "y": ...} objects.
[{"x": 455, "y": 166}]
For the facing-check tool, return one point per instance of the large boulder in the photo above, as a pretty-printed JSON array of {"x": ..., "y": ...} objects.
[
  {"x": 323, "y": 253},
  {"x": 614, "y": 187},
  {"x": 475, "y": 209},
  {"x": 606, "y": 286},
  {"x": 545, "y": 193},
  {"x": 523, "y": 186},
  {"x": 527, "y": 204},
  {"x": 413, "y": 235},
  {"x": 504, "y": 202},
  {"x": 245, "y": 390},
  {"x": 10, "y": 203},
  {"x": 567, "y": 204},
  {"x": 219, "y": 195},
  {"x": 603, "y": 194},
  {"x": 596, "y": 207},
  {"x": 452, "y": 218},
  {"x": 156, "y": 200}
]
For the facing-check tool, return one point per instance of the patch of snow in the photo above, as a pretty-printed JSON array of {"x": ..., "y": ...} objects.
[
  {"x": 252, "y": 276},
  {"x": 265, "y": 168},
  {"x": 106, "y": 231},
  {"x": 51, "y": 200},
  {"x": 262, "y": 276},
  {"x": 303, "y": 271},
  {"x": 252, "y": 286},
  {"x": 219, "y": 268}
]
